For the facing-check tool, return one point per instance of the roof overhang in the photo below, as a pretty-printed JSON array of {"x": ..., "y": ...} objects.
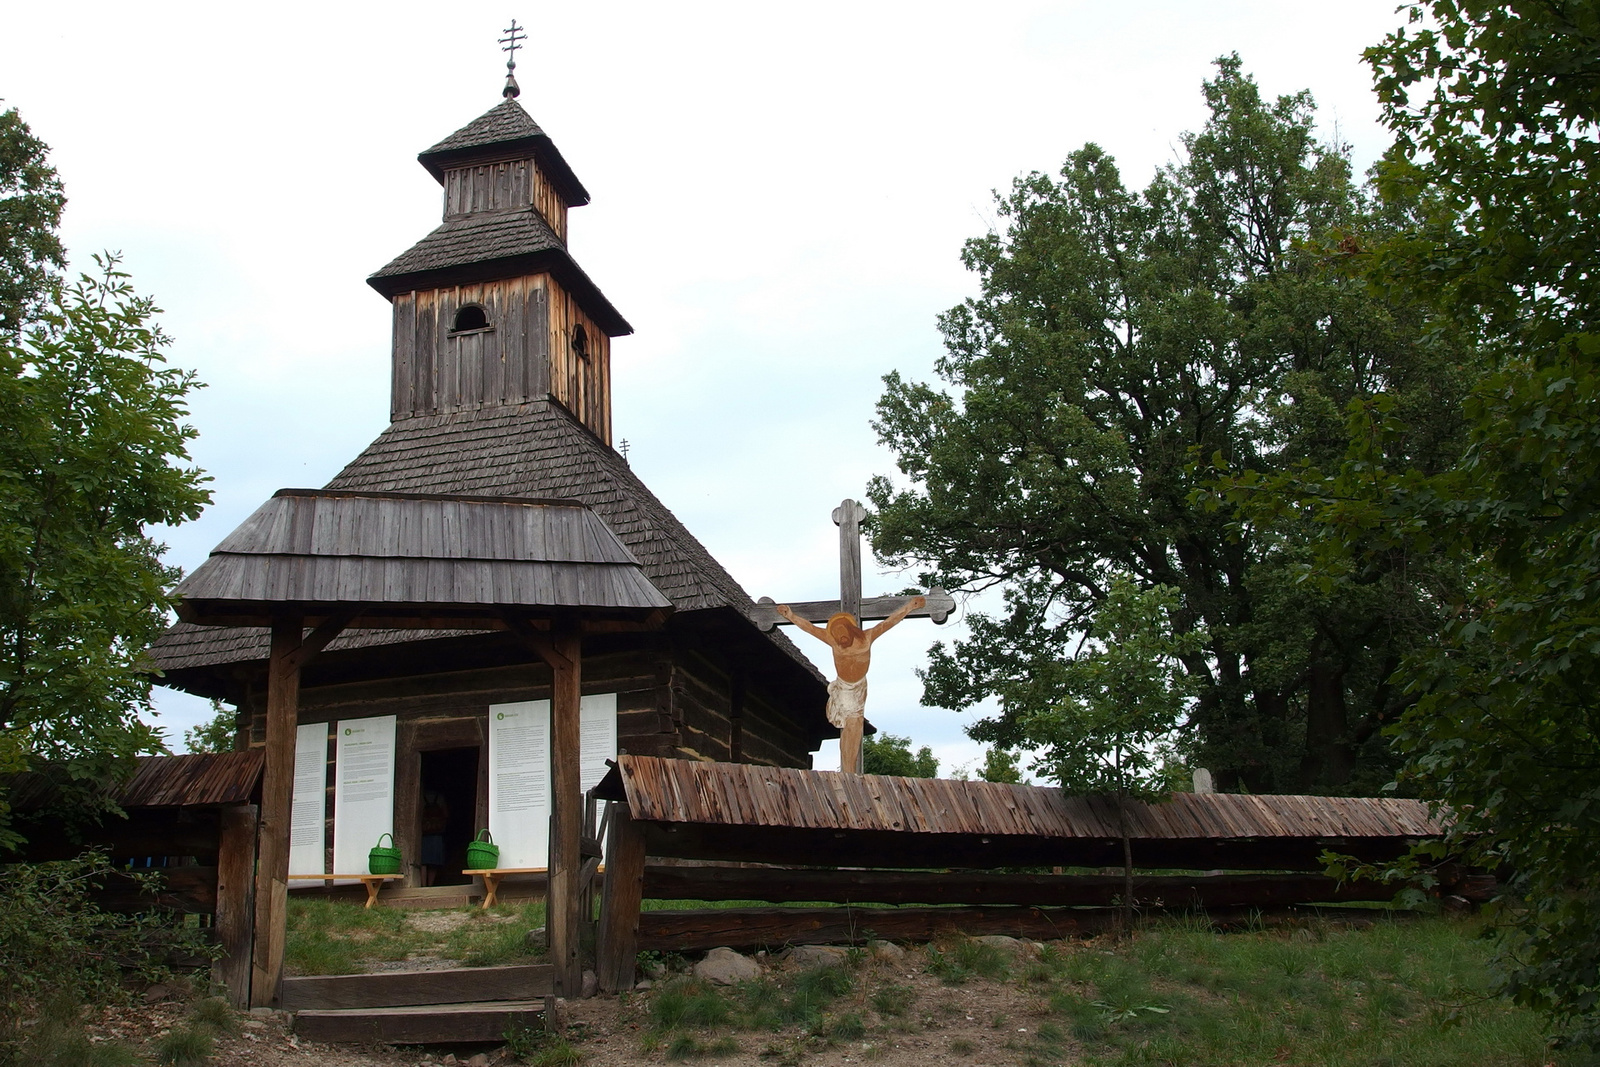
[
  {"x": 421, "y": 561},
  {"x": 553, "y": 261}
]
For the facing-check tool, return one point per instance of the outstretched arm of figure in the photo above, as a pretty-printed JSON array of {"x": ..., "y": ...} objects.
[
  {"x": 916, "y": 603},
  {"x": 805, "y": 624}
]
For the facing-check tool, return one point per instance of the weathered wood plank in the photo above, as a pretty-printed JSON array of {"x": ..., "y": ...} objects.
[
  {"x": 419, "y": 1025},
  {"x": 236, "y": 860},
  {"x": 617, "y": 946},
  {"x": 566, "y": 816},
  {"x": 455, "y": 985},
  {"x": 192, "y": 890},
  {"x": 674, "y": 882},
  {"x": 277, "y": 794}
]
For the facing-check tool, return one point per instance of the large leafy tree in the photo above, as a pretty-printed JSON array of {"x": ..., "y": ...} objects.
[
  {"x": 95, "y": 450},
  {"x": 31, "y": 200},
  {"x": 1496, "y": 112},
  {"x": 1122, "y": 339}
]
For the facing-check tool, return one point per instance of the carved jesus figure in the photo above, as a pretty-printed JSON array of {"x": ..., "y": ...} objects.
[{"x": 852, "y": 655}]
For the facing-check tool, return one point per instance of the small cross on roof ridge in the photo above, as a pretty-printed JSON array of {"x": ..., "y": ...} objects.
[{"x": 510, "y": 43}]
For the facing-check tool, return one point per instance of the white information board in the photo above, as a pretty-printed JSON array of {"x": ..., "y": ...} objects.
[
  {"x": 519, "y": 771},
  {"x": 363, "y": 792},
  {"x": 308, "y": 814}
]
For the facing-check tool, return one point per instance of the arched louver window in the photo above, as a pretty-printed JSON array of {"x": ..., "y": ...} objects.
[
  {"x": 580, "y": 343},
  {"x": 470, "y": 317}
]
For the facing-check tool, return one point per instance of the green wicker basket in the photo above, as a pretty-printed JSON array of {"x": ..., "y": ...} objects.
[
  {"x": 384, "y": 860},
  {"x": 482, "y": 854}
]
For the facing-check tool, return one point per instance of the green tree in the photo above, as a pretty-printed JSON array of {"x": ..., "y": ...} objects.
[
  {"x": 889, "y": 754},
  {"x": 1495, "y": 110},
  {"x": 1001, "y": 765},
  {"x": 31, "y": 200},
  {"x": 1118, "y": 337},
  {"x": 1124, "y": 697},
  {"x": 95, "y": 451},
  {"x": 215, "y": 734}
]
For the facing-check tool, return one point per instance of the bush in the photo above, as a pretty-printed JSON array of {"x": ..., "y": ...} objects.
[{"x": 57, "y": 945}]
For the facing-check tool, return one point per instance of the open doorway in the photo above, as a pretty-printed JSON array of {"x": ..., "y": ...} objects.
[{"x": 448, "y": 807}]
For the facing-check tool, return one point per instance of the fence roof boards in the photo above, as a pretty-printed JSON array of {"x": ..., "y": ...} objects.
[
  {"x": 196, "y": 780},
  {"x": 417, "y": 556},
  {"x": 729, "y": 811}
]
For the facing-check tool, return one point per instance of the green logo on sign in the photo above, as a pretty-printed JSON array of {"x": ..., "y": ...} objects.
[{"x": 348, "y": 731}]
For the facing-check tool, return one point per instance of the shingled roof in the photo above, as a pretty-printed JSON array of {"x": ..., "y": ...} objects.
[
  {"x": 503, "y": 129},
  {"x": 412, "y": 556},
  {"x": 535, "y": 450},
  {"x": 495, "y": 244}
]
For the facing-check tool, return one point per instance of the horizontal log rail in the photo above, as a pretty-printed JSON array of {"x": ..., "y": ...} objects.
[{"x": 780, "y": 885}]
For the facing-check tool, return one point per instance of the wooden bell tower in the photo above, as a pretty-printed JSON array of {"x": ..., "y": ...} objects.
[{"x": 490, "y": 309}]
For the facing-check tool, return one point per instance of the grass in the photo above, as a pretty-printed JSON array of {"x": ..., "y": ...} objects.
[
  {"x": 958, "y": 961},
  {"x": 57, "y": 1039},
  {"x": 1404, "y": 993},
  {"x": 335, "y": 937},
  {"x": 185, "y": 1046},
  {"x": 1401, "y": 994},
  {"x": 686, "y": 1007}
]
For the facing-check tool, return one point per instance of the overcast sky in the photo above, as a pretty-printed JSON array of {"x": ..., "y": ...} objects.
[{"x": 780, "y": 197}]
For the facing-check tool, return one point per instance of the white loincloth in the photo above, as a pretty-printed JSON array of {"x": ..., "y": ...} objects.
[{"x": 846, "y": 700}]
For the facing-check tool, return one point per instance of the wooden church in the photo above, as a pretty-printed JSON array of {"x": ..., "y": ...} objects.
[{"x": 501, "y": 390}]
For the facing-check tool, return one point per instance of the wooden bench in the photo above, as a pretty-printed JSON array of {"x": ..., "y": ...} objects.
[
  {"x": 373, "y": 882},
  {"x": 491, "y": 878}
]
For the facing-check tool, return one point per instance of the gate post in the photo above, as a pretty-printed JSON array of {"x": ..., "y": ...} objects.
[{"x": 617, "y": 949}]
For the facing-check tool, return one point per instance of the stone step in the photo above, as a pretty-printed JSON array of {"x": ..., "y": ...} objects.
[
  {"x": 419, "y": 1024},
  {"x": 395, "y": 989}
]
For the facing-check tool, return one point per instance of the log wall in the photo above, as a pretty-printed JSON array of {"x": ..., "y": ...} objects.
[{"x": 669, "y": 703}]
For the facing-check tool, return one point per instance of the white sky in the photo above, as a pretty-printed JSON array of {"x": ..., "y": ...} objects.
[{"x": 780, "y": 197}]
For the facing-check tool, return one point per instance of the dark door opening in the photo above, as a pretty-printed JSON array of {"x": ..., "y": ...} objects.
[{"x": 448, "y": 812}]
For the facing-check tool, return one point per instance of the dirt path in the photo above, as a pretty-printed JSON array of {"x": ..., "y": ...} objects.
[{"x": 611, "y": 1031}]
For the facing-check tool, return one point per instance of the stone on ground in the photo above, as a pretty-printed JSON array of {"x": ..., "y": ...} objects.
[
  {"x": 815, "y": 956},
  {"x": 724, "y": 966},
  {"x": 887, "y": 951},
  {"x": 1013, "y": 945}
]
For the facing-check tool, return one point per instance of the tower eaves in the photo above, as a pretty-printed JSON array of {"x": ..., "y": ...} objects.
[{"x": 505, "y": 129}]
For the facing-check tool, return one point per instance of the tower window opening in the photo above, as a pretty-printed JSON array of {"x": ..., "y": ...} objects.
[
  {"x": 470, "y": 317},
  {"x": 580, "y": 343}
]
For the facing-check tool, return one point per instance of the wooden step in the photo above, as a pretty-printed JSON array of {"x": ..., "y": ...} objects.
[
  {"x": 426, "y": 1024},
  {"x": 396, "y": 989}
]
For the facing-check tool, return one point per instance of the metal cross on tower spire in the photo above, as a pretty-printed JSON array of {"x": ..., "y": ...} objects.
[{"x": 510, "y": 43}]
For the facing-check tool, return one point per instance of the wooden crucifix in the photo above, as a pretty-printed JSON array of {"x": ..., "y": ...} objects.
[{"x": 843, "y": 633}]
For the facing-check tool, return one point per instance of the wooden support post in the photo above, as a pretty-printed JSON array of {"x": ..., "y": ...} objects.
[
  {"x": 236, "y": 862},
  {"x": 618, "y": 943},
  {"x": 277, "y": 797},
  {"x": 566, "y": 815}
]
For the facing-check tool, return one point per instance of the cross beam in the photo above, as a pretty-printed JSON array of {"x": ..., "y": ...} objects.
[
  {"x": 847, "y": 516},
  {"x": 940, "y": 605}
]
